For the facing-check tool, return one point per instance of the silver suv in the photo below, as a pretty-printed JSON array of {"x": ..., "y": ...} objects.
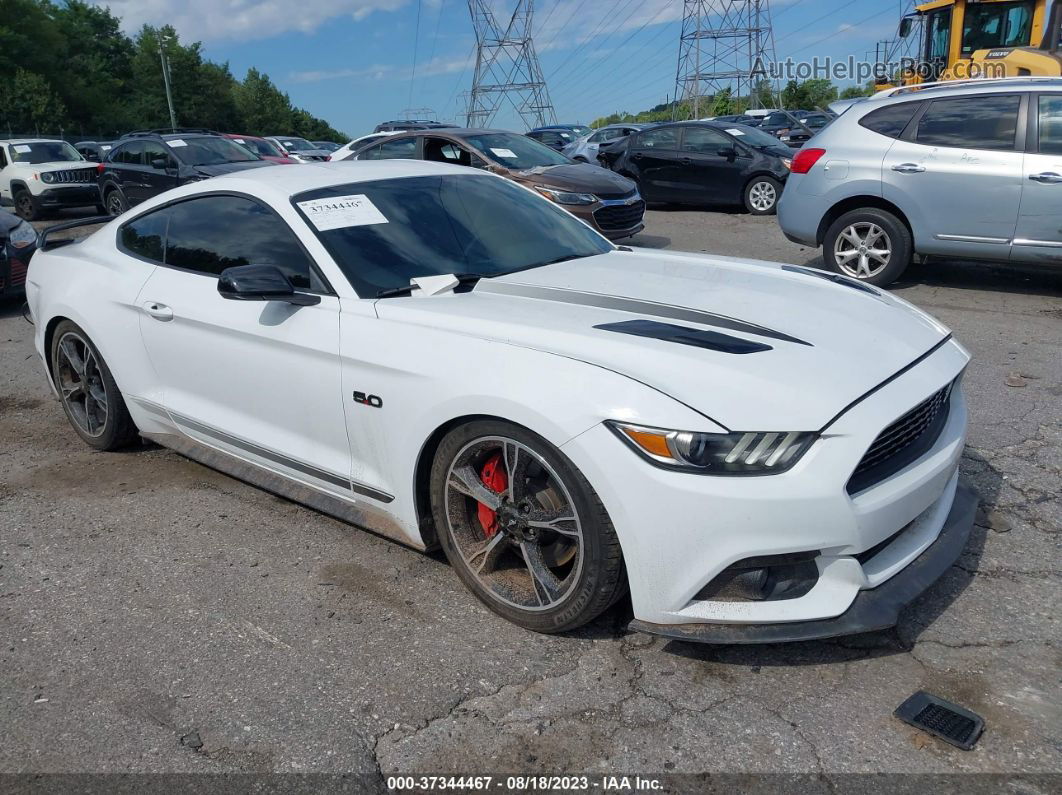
[{"x": 962, "y": 170}]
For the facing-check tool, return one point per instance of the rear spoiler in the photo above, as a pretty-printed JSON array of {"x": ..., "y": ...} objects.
[{"x": 42, "y": 239}]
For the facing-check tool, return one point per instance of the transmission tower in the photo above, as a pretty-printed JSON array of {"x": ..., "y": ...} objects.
[
  {"x": 725, "y": 44},
  {"x": 507, "y": 68}
]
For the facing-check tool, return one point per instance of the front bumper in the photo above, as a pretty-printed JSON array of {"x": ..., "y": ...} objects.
[
  {"x": 874, "y": 609},
  {"x": 73, "y": 196},
  {"x": 680, "y": 532}
]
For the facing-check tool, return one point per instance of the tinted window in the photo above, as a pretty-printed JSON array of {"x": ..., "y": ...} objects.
[
  {"x": 144, "y": 236},
  {"x": 891, "y": 120},
  {"x": 436, "y": 225},
  {"x": 212, "y": 233},
  {"x": 1051, "y": 125},
  {"x": 777, "y": 120},
  {"x": 405, "y": 148},
  {"x": 3, "y": 158},
  {"x": 153, "y": 150},
  {"x": 704, "y": 140},
  {"x": 985, "y": 122},
  {"x": 663, "y": 138},
  {"x": 127, "y": 153}
]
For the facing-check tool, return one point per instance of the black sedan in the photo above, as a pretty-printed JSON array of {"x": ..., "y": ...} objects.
[
  {"x": 706, "y": 163},
  {"x": 18, "y": 241}
]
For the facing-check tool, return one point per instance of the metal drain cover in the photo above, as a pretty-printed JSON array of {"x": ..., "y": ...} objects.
[{"x": 949, "y": 722}]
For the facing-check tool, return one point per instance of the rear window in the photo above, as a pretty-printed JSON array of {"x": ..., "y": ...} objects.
[
  {"x": 891, "y": 120},
  {"x": 984, "y": 122}
]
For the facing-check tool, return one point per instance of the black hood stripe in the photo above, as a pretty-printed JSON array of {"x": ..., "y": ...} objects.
[
  {"x": 633, "y": 305},
  {"x": 684, "y": 335}
]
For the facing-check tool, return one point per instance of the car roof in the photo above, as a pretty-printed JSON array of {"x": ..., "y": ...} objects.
[
  {"x": 952, "y": 88},
  {"x": 31, "y": 141}
]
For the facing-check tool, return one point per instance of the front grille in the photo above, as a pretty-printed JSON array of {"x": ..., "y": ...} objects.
[
  {"x": 903, "y": 442},
  {"x": 73, "y": 176},
  {"x": 620, "y": 216},
  {"x": 17, "y": 272}
]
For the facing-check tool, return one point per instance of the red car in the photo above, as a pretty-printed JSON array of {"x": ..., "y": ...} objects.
[{"x": 261, "y": 147}]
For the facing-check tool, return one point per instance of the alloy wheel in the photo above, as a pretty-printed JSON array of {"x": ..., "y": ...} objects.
[
  {"x": 24, "y": 206},
  {"x": 514, "y": 523},
  {"x": 114, "y": 203},
  {"x": 80, "y": 383},
  {"x": 762, "y": 196},
  {"x": 863, "y": 250}
]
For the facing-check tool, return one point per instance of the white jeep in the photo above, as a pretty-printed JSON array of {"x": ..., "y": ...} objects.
[{"x": 38, "y": 175}]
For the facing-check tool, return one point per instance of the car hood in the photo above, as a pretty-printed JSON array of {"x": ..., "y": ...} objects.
[
  {"x": 217, "y": 169},
  {"x": 55, "y": 165},
  {"x": 580, "y": 178},
  {"x": 827, "y": 342}
]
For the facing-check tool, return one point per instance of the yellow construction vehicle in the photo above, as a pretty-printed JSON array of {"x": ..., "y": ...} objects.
[{"x": 964, "y": 39}]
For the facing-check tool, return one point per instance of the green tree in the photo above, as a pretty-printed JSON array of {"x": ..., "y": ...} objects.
[
  {"x": 29, "y": 105},
  {"x": 264, "y": 109}
]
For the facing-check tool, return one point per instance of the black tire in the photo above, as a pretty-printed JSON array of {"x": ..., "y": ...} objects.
[
  {"x": 116, "y": 429},
  {"x": 762, "y": 194},
  {"x": 26, "y": 206},
  {"x": 597, "y": 577},
  {"x": 897, "y": 240},
  {"x": 115, "y": 202},
  {"x": 580, "y": 159}
]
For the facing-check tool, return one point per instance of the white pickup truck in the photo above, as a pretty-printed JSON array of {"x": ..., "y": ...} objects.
[{"x": 39, "y": 175}]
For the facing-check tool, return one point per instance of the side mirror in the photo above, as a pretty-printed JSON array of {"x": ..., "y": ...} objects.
[
  {"x": 261, "y": 283},
  {"x": 160, "y": 163},
  {"x": 95, "y": 158},
  {"x": 905, "y": 27},
  {"x": 729, "y": 152}
]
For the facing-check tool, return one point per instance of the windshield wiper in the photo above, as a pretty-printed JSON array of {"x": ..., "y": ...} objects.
[{"x": 462, "y": 278}]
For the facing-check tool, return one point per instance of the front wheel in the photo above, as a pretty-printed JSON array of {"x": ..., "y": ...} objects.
[
  {"x": 89, "y": 394},
  {"x": 524, "y": 529},
  {"x": 761, "y": 195},
  {"x": 871, "y": 245},
  {"x": 26, "y": 206},
  {"x": 115, "y": 202}
]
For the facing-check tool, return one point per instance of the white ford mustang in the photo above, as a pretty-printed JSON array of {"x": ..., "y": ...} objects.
[{"x": 758, "y": 452}]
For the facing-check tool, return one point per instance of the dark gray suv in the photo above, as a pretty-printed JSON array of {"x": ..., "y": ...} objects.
[{"x": 966, "y": 170}]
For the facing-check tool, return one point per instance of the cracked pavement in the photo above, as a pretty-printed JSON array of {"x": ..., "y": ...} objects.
[{"x": 156, "y": 616}]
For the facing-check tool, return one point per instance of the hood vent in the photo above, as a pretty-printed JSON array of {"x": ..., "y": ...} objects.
[{"x": 683, "y": 335}]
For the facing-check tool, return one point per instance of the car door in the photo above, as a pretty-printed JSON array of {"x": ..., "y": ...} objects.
[
  {"x": 127, "y": 170},
  {"x": 261, "y": 380},
  {"x": 1039, "y": 232},
  {"x": 957, "y": 174},
  {"x": 714, "y": 167},
  {"x": 655, "y": 158},
  {"x": 156, "y": 179}
]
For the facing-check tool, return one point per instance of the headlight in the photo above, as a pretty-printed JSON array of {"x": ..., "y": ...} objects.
[
  {"x": 47, "y": 176},
  {"x": 741, "y": 453},
  {"x": 22, "y": 235},
  {"x": 788, "y": 163},
  {"x": 566, "y": 197}
]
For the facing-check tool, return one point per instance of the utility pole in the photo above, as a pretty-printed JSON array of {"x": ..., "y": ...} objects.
[
  {"x": 507, "y": 68},
  {"x": 723, "y": 45},
  {"x": 166, "y": 79}
]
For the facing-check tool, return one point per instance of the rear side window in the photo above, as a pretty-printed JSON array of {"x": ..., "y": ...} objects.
[
  {"x": 145, "y": 236},
  {"x": 664, "y": 138},
  {"x": 984, "y": 122},
  {"x": 891, "y": 120},
  {"x": 128, "y": 153},
  {"x": 1051, "y": 125},
  {"x": 212, "y": 233}
]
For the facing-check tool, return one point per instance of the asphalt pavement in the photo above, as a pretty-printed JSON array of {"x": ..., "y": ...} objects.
[{"x": 158, "y": 617}]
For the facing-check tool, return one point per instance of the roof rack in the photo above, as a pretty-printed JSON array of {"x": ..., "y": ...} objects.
[
  {"x": 169, "y": 131},
  {"x": 978, "y": 81}
]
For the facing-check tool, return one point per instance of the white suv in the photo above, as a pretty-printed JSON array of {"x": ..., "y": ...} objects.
[{"x": 38, "y": 175}]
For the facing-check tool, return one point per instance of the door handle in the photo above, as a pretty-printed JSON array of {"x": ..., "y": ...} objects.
[
  {"x": 636, "y": 156},
  {"x": 158, "y": 311},
  {"x": 909, "y": 168},
  {"x": 686, "y": 161},
  {"x": 1047, "y": 178}
]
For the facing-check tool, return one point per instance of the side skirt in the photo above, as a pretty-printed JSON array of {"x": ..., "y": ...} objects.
[{"x": 363, "y": 516}]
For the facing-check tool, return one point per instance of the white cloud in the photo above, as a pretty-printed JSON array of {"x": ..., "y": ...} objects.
[
  {"x": 437, "y": 66},
  {"x": 241, "y": 20}
]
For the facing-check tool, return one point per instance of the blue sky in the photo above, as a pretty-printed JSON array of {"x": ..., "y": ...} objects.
[{"x": 351, "y": 61}]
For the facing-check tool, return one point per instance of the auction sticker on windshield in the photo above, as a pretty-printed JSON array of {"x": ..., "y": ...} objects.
[
  {"x": 340, "y": 212},
  {"x": 735, "y": 132},
  {"x": 177, "y": 142},
  {"x": 21, "y": 148},
  {"x": 504, "y": 152}
]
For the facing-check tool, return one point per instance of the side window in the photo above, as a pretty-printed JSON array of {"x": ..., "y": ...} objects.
[
  {"x": 145, "y": 236},
  {"x": 372, "y": 153},
  {"x": 440, "y": 150},
  {"x": 3, "y": 157},
  {"x": 127, "y": 154},
  {"x": 704, "y": 140},
  {"x": 663, "y": 138},
  {"x": 985, "y": 122},
  {"x": 1051, "y": 125},
  {"x": 891, "y": 120},
  {"x": 598, "y": 137},
  {"x": 152, "y": 151},
  {"x": 212, "y": 233},
  {"x": 392, "y": 150}
]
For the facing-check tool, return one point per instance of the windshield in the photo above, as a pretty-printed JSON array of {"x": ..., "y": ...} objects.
[
  {"x": 296, "y": 144},
  {"x": 752, "y": 136},
  {"x": 259, "y": 146},
  {"x": 430, "y": 226},
  {"x": 209, "y": 151},
  {"x": 44, "y": 152},
  {"x": 580, "y": 130},
  {"x": 998, "y": 25},
  {"x": 514, "y": 151}
]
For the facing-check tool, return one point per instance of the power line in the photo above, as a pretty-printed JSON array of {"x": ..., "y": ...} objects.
[
  {"x": 873, "y": 16},
  {"x": 416, "y": 44},
  {"x": 571, "y": 16},
  {"x": 816, "y": 21},
  {"x": 595, "y": 34}
]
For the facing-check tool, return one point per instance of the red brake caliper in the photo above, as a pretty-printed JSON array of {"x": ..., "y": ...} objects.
[{"x": 494, "y": 478}]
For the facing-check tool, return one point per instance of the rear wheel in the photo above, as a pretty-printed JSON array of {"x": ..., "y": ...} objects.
[
  {"x": 26, "y": 206},
  {"x": 523, "y": 528},
  {"x": 871, "y": 245},
  {"x": 761, "y": 195},
  {"x": 115, "y": 202},
  {"x": 88, "y": 392}
]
